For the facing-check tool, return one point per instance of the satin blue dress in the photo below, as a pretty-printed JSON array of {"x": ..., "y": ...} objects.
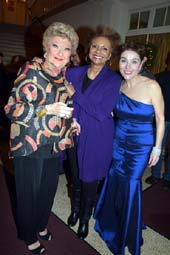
[{"x": 118, "y": 211}]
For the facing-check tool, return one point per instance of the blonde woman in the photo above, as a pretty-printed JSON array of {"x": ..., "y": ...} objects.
[{"x": 40, "y": 110}]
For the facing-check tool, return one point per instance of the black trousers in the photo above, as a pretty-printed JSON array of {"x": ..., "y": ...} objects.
[
  {"x": 36, "y": 184},
  {"x": 88, "y": 189}
]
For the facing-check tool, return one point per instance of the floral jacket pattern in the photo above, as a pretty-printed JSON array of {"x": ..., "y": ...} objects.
[{"x": 34, "y": 88}]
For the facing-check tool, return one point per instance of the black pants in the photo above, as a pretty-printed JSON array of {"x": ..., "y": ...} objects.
[
  {"x": 88, "y": 189},
  {"x": 36, "y": 183}
]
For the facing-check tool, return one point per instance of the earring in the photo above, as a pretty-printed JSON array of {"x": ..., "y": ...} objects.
[
  {"x": 109, "y": 62},
  {"x": 87, "y": 59},
  {"x": 45, "y": 55}
]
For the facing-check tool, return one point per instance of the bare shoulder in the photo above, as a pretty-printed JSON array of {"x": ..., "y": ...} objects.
[
  {"x": 155, "y": 93},
  {"x": 154, "y": 86},
  {"x": 151, "y": 85}
]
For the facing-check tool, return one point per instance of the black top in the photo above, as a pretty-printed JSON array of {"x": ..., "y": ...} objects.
[{"x": 86, "y": 83}]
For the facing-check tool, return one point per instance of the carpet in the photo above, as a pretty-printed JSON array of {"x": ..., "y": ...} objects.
[
  {"x": 156, "y": 209},
  {"x": 64, "y": 242}
]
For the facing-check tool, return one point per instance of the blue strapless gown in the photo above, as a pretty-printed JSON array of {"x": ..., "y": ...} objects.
[{"x": 118, "y": 212}]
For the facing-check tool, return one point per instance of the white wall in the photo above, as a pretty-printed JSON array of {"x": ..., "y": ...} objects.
[
  {"x": 93, "y": 13},
  {"x": 114, "y": 13},
  {"x": 85, "y": 14}
]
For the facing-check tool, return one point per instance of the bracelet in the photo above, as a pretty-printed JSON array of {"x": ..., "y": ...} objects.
[
  {"x": 29, "y": 115},
  {"x": 156, "y": 151},
  {"x": 41, "y": 111}
]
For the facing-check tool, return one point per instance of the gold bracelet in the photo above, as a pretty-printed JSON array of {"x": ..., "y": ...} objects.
[{"x": 41, "y": 112}]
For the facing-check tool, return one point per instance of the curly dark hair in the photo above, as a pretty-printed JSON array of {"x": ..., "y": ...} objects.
[
  {"x": 107, "y": 32},
  {"x": 138, "y": 47}
]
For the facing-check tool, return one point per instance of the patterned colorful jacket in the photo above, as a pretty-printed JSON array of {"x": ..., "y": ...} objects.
[{"x": 34, "y": 88}]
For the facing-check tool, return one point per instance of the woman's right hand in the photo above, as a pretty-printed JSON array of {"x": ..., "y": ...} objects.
[{"x": 59, "y": 109}]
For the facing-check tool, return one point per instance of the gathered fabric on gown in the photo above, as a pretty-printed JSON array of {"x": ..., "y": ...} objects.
[{"x": 118, "y": 211}]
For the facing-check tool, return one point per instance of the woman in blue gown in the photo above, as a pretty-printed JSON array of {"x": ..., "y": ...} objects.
[{"x": 118, "y": 212}]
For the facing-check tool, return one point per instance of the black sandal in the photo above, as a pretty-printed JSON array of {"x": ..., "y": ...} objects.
[
  {"x": 39, "y": 250},
  {"x": 47, "y": 237}
]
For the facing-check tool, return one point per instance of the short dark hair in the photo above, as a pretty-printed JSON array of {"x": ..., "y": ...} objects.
[
  {"x": 1, "y": 54},
  {"x": 107, "y": 32},
  {"x": 138, "y": 47}
]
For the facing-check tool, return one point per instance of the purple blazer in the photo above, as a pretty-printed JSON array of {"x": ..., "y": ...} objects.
[{"x": 93, "y": 112}]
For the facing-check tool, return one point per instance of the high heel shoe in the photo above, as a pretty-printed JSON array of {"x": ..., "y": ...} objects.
[
  {"x": 39, "y": 250},
  {"x": 47, "y": 237},
  {"x": 73, "y": 218},
  {"x": 83, "y": 230}
]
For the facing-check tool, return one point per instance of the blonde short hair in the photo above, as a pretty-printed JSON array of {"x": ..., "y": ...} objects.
[{"x": 62, "y": 30}]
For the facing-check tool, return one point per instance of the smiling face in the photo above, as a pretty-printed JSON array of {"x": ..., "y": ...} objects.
[
  {"x": 129, "y": 64},
  {"x": 58, "y": 51},
  {"x": 100, "y": 50}
]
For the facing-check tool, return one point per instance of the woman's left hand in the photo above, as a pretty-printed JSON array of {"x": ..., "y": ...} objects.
[
  {"x": 59, "y": 109},
  {"x": 153, "y": 159},
  {"x": 76, "y": 126}
]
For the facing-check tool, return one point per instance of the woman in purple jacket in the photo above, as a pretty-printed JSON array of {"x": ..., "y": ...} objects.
[{"x": 97, "y": 89}]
